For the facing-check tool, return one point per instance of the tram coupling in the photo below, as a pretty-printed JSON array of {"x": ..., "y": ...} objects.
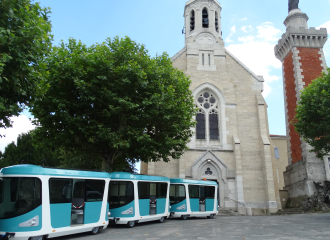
[{"x": 114, "y": 221}]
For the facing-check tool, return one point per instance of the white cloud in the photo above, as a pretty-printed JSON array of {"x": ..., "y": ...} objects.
[
  {"x": 232, "y": 31},
  {"x": 257, "y": 53},
  {"x": 267, "y": 32},
  {"x": 244, "y": 19},
  {"x": 21, "y": 124},
  {"x": 247, "y": 28},
  {"x": 325, "y": 25}
]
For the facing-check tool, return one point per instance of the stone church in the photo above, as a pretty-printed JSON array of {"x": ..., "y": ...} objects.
[{"x": 231, "y": 142}]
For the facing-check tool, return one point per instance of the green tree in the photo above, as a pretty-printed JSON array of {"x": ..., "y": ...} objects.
[
  {"x": 312, "y": 119},
  {"x": 29, "y": 151},
  {"x": 115, "y": 102},
  {"x": 24, "y": 41}
]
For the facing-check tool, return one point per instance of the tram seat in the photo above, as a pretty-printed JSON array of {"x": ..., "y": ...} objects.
[{"x": 78, "y": 202}]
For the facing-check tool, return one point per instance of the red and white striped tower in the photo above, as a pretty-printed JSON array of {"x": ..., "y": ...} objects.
[{"x": 301, "y": 52}]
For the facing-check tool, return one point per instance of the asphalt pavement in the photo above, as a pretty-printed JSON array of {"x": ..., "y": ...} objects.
[{"x": 290, "y": 227}]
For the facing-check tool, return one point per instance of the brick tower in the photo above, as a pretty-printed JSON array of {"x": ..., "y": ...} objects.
[{"x": 301, "y": 52}]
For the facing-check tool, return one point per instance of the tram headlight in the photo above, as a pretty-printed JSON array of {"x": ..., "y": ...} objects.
[{"x": 109, "y": 214}]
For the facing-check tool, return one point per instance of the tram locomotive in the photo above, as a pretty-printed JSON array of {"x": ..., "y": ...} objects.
[{"x": 37, "y": 203}]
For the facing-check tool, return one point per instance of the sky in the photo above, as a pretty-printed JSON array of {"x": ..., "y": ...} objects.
[{"x": 250, "y": 29}]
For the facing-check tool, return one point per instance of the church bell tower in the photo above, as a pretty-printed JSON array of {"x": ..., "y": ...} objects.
[
  {"x": 301, "y": 52},
  {"x": 203, "y": 32}
]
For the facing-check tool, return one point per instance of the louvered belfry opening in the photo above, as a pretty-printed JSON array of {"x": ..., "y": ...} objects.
[
  {"x": 205, "y": 16},
  {"x": 216, "y": 22},
  {"x": 192, "y": 20}
]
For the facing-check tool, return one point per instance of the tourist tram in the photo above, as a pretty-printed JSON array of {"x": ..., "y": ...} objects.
[
  {"x": 138, "y": 198},
  {"x": 38, "y": 203},
  {"x": 193, "y": 198}
]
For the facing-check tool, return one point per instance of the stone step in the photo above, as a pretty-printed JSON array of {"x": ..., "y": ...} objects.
[{"x": 289, "y": 211}]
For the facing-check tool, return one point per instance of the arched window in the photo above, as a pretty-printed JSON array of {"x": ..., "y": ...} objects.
[
  {"x": 207, "y": 117},
  {"x": 205, "y": 16},
  {"x": 192, "y": 20},
  {"x": 216, "y": 22}
]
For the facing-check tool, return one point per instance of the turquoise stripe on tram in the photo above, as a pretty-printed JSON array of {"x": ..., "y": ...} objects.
[
  {"x": 60, "y": 215},
  {"x": 160, "y": 205},
  {"x": 194, "y": 204},
  {"x": 178, "y": 205},
  {"x": 209, "y": 204},
  {"x": 12, "y": 224},
  {"x": 117, "y": 212},
  {"x": 144, "y": 205},
  {"x": 92, "y": 212}
]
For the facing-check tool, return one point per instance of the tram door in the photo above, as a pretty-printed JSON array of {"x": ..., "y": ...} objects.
[
  {"x": 78, "y": 202},
  {"x": 202, "y": 198}
]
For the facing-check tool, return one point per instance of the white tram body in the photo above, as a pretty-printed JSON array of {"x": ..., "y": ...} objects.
[
  {"x": 193, "y": 198},
  {"x": 38, "y": 203},
  {"x": 138, "y": 198}
]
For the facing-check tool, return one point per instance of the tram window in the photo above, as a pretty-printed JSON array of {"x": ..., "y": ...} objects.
[
  {"x": 121, "y": 193},
  {"x": 144, "y": 190},
  {"x": 28, "y": 196},
  {"x": 193, "y": 191},
  {"x": 210, "y": 192},
  {"x": 177, "y": 193},
  {"x": 1, "y": 187},
  {"x": 161, "y": 190},
  {"x": 13, "y": 189},
  {"x": 60, "y": 190},
  {"x": 94, "y": 190}
]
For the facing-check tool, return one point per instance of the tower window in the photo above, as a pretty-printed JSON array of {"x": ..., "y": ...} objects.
[
  {"x": 205, "y": 18},
  {"x": 216, "y": 22},
  {"x": 192, "y": 20},
  {"x": 203, "y": 58}
]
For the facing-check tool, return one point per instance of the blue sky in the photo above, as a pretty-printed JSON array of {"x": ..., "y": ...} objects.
[{"x": 250, "y": 31}]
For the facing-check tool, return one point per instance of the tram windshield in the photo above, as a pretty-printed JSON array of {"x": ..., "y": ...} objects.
[{"x": 19, "y": 196}]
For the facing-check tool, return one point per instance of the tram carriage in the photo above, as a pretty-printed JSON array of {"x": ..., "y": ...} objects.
[
  {"x": 193, "y": 198},
  {"x": 138, "y": 198},
  {"x": 38, "y": 203}
]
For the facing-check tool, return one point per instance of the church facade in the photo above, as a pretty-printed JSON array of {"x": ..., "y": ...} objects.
[{"x": 231, "y": 142}]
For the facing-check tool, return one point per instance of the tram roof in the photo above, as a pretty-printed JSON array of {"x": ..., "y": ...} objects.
[
  {"x": 129, "y": 176},
  {"x": 27, "y": 169},
  {"x": 196, "y": 182}
]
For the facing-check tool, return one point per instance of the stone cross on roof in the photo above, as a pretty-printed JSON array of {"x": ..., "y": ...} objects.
[{"x": 293, "y": 4}]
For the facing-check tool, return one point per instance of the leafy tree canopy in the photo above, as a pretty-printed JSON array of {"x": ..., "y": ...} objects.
[
  {"x": 114, "y": 101},
  {"x": 313, "y": 115},
  {"x": 24, "y": 41},
  {"x": 28, "y": 151}
]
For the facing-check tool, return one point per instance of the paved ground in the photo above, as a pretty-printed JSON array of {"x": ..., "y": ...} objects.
[{"x": 304, "y": 226}]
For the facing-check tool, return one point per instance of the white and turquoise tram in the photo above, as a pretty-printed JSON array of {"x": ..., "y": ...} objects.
[
  {"x": 193, "y": 198},
  {"x": 138, "y": 198},
  {"x": 38, "y": 203}
]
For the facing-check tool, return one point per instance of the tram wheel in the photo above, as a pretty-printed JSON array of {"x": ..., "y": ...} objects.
[
  {"x": 184, "y": 217},
  {"x": 131, "y": 224},
  {"x": 211, "y": 216},
  {"x": 95, "y": 230},
  {"x": 161, "y": 219}
]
